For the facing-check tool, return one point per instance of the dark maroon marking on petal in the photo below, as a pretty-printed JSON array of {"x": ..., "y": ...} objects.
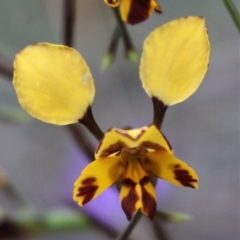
[
  {"x": 129, "y": 136},
  {"x": 144, "y": 180},
  {"x": 111, "y": 2},
  {"x": 129, "y": 202},
  {"x": 88, "y": 193},
  {"x": 149, "y": 203},
  {"x": 151, "y": 145},
  {"x": 116, "y": 147},
  {"x": 88, "y": 181},
  {"x": 184, "y": 177},
  {"x": 127, "y": 182},
  {"x": 139, "y": 11},
  {"x": 177, "y": 166},
  {"x": 147, "y": 161}
]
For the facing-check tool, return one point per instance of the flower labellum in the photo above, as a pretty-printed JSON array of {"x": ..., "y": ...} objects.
[
  {"x": 132, "y": 157},
  {"x": 135, "y": 11}
]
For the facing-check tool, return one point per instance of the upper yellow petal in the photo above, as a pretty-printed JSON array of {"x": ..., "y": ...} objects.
[
  {"x": 53, "y": 83},
  {"x": 115, "y": 140},
  {"x": 166, "y": 166},
  {"x": 175, "y": 59},
  {"x": 95, "y": 178}
]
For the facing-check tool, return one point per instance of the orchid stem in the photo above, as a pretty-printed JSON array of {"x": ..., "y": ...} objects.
[
  {"x": 126, "y": 38},
  {"x": 69, "y": 14},
  {"x": 6, "y": 67},
  {"x": 82, "y": 142},
  {"x": 159, "y": 110},
  {"x": 112, "y": 48},
  {"x": 233, "y": 12},
  {"x": 89, "y": 122},
  {"x": 128, "y": 230},
  {"x": 12, "y": 193},
  {"x": 159, "y": 231}
]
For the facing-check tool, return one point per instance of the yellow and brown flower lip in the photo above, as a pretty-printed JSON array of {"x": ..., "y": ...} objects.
[
  {"x": 131, "y": 158},
  {"x": 135, "y": 11}
]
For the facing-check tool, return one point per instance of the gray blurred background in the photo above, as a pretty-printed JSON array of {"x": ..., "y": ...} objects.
[{"x": 43, "y": 161}]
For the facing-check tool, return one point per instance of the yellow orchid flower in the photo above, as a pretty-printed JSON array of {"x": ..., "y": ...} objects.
[
  {"x": 131, "y": 158},
  {"x": 135, "y": 11},
  {"x": 54, "y": 84}
]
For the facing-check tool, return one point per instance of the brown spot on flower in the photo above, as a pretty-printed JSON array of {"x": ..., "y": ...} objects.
[
  {"x": 110, "y": 1},
  {"x": 129, "y": 136},
  {"x": 127, "y": 182},
  {"x": 151, "y": 145},
  {"x": 139, "y": 11},
  {"x": 184, "y": 177},
  {"x": 149, "y": 203},
  {"x": 144, "y": 180},
  {"x": 177, "y": 166},
  {"x": 88, "y": 190},
  {"x": 88, "y": 181},
  {"x": 129, "y": 202},
  {"x": 116, "y": 147}
]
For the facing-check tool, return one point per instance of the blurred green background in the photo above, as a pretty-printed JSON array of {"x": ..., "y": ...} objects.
[{"x": 43, "y": 161}]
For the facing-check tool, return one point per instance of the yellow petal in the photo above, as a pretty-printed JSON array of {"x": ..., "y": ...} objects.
[
  {"x": 95, "y": 178},
  {"x": 166, "y": 166},
  {"x": 136, "y": 11},
  {"x": 115, "y": 140},
  {"x": 53, "y": 83},
  {"x": 175, "y": 59},
  {"x": 112, "y": 3}
]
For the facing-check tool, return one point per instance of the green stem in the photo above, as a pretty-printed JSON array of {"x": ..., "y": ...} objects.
[
  {"x": 233, "y": 12},
  {"x": 112, "y": 48},
  {"x": 128, "y": 230},
  {"x": 126, "y": 38}
]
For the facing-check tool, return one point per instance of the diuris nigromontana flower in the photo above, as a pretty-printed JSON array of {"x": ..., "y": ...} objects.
[
  {"x": 135, "y": 11},
  {"x": 54, "y": 84},
  {"x": 131, "y": 157}
]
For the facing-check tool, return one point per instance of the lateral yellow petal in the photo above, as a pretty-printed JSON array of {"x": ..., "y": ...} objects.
[
  {"x": 95, "y": 178},
  {"x": 175, "y": 59},
  {"x": 148, "y": 137},
  {"x": 112, "y": 3},
  {"x": 166, "y": 166},
  {"x": 53, "y": 83},
  {"x": 136, "y": 11}
]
